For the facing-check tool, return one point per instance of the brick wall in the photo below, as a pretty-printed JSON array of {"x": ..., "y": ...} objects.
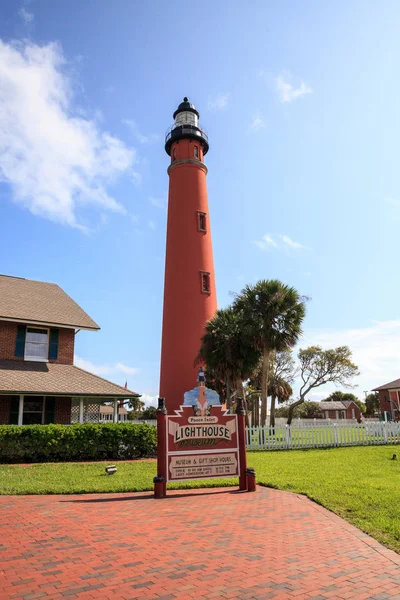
[
  {"x": 5, "y": 405},
  {"x": 349, "y": 412},
  {"x": 66, "y": 342},
  {"x": 8, "y": 337},
  {"x": 384, "y": 401},
  {"x": 62, "y": 412}
]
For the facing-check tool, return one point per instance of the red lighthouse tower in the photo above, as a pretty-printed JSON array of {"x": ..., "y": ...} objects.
[{"x": 189, "y": 288}]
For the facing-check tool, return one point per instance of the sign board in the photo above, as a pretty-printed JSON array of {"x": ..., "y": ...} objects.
[{"x": 202, "y": 442}]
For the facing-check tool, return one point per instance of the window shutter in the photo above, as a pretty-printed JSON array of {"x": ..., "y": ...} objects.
[
  {"x": 20, "y": 344},
  {"x": 53, "y": 346},
  {"x": 49, "y": 408},
  {"x": 14, "y": 409}
]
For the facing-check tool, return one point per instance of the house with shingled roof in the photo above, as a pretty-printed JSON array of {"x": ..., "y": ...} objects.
[
  {"x": 389, "y": 398},
  {"x": 39, "y": 383},
  {"x": 340, "y": 409}
]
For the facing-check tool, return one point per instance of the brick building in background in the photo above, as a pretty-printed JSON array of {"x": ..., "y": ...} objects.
[
  {"x": 343, "y": 409},
  {"x": 39, "y": 384},
  {"x": 389, "y": 398}
]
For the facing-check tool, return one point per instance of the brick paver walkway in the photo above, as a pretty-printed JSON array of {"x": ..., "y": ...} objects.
[{"x": 204, "y": 544}]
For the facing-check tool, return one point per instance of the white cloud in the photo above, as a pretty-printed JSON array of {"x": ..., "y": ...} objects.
[
  {"x": 393, "y": 201},
  {"x": 86, "y": 365},
  {"x": 56, "y": 162},
  {"x": 257, "y": 123},
  {"x": 219, "y": 102},
  {"x": 266, "y": 243},
  {"x": 143, "y": 139},
  {"x": 291, "y": 243},
  {"x": 149, "y": 400},
  {"x": 158, "y": 202},
  {"x": 126, "y": 370},
  {"x": 25, "y": 15},
  {"x": 102, "y": 370},
  {"x": 151, "y": 224},
  {"x": 375, "y": 351},
  {"x": 286, "y": 91}
]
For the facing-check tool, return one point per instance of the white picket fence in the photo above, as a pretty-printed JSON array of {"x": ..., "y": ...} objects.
[{"x": 322, "y": 434}]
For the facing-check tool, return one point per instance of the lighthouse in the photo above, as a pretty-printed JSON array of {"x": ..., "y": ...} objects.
[{"x": 189, "y": 287}]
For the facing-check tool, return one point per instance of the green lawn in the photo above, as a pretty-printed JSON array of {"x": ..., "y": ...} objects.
[{"x": 360, "y": 484}]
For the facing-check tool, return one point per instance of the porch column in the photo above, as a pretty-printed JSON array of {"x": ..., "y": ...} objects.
[
  {"x": 115, "y": 410},
  {"x": 20, "y": 410},
  {"x": 80, "y": 410}
]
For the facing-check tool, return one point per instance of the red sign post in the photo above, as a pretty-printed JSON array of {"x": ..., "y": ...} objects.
[{"x": 199, "y": 444}]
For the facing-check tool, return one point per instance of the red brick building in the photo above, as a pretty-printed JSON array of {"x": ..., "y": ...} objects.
[
  {"x": 39, "y": 384},
  {"x": 344, "y": 409},
  {"x": 389, "y": 398}
]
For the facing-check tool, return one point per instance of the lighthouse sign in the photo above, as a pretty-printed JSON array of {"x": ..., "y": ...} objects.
[{"x": 202, "y": 438}]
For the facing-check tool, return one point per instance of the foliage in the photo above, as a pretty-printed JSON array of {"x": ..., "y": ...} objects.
[
  {"x": 307, "y": 410},
  {"x": 227, "y": 352},
  {"x": 346, "y": 397},
  {"x": 136, "y": 405},
  {"x": 271, "y": 314},
  {"x": 148, "y": 414},
  {"x": 281, "y": 375},
  {"x": 372, "y": 404},
  {"x": 53, "y": 443},
  {"x": 318, "y": 367}
]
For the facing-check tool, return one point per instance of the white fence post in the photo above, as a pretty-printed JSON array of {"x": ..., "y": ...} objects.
[{"x": 287, "y": 432}]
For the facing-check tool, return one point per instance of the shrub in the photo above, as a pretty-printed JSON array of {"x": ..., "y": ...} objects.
[{"x": 55, "y": 443}]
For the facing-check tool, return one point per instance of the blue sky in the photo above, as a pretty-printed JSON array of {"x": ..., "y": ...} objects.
[{"x": 300, "y": 101}]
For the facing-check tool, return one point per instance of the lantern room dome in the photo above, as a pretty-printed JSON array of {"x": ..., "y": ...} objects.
[{"x": 186, "y": 106}]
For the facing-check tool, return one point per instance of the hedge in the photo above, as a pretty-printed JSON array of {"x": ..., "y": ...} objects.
[{"x": 56, "y": 443}]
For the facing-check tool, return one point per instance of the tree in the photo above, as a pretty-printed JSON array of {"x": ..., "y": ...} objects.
[
  {"x": 282, "y": 374},
  {"x": 149, "y": 414},
  {"x": 345, "y": 397},
  {"x": 308, "y": 410},
  {"x": 279, "y": 389},
  {"x": 318, "y": 367},
  {"x": 227, "y": 352},
  {"x": 372, "y": 404},
  {"x": 271, "y": 314},
  {"x": 136, "y": 405}
]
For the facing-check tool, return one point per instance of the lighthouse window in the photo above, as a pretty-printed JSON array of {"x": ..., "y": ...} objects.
[
  {"x": 202, "y": 221},
  {"x": 174, "y": 154},
  {"x": 196, "y": 152},
  {"x": 205, "y": 282}
]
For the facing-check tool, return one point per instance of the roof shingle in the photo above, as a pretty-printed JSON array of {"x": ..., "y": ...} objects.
[
  {"x": 388, "y": 386},
  {"x": 51, "y": 379},
  {"x": 25, "y": 300}
]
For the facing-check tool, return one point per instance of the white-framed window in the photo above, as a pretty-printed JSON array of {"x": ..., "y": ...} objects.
[
  {"x": 37, "y": 344},
  {"x": 196, "y": 152},
  {"x": 33, "y": 410}
]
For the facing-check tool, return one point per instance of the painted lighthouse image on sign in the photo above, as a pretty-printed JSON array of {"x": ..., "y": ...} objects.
[{"x": 189, "y": 288}]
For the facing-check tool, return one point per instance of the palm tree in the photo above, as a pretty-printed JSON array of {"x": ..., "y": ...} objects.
[
  {"x": 271, "y": 314},
  {"x": 279, "y": 389},
  {"x": 281, "y": 375},
  {"x": 227, "y": 353}
]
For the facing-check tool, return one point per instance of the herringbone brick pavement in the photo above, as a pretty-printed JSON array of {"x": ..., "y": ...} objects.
[{"x": 200, "y": 544}]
